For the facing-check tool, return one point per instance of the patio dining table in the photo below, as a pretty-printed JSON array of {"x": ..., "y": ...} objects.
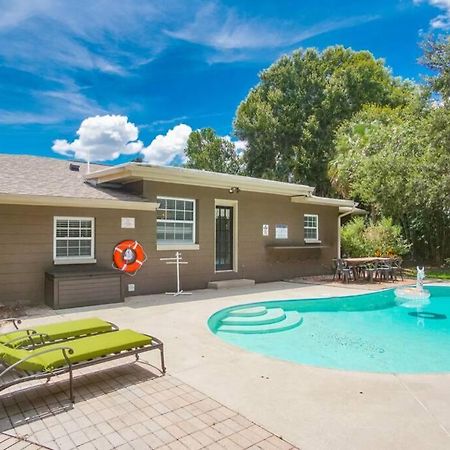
[
  {"x": 365, "y": 260},
  {"x": 357, "y": 265}
]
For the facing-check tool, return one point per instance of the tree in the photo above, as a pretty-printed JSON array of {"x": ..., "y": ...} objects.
[
  {"x": 207, "y": 151},
  {"x": 368, "y": 238},
  {"x": 290, "y": 117},
  {"x": 397, "y": 162},
  {"x": 436, "y": 56}
]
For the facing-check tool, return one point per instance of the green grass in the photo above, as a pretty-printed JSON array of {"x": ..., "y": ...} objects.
[{"x": 442, "y": 273}]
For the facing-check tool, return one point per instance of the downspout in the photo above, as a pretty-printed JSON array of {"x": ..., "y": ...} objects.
[{"x": 340, "y": 216}]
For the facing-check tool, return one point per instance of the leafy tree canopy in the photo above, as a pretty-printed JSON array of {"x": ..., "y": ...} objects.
[
  {"x": 206, "y": 150},
  {"x": 397, "y": 161},
  {"x": 290, "y": 117},
  {"x": 382, "y": 238},
  {"x": 436, "y": 56}
]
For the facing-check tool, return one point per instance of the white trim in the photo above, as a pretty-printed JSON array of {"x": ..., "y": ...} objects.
[
  {"x": 311, "y": 240},
  {"x": 234, "y": 204},
  {"x": 178, "y": 175},
  {"x": 75, "y": 202},
  {"x": 74, "y": 259},
  {"x": 344, "y": 210},
  {"x": 194, "y": 216},
  {"x": 175, "y": 247},
  {"x": 61, "y": 261},
  {"x": 315, "y": 200}
]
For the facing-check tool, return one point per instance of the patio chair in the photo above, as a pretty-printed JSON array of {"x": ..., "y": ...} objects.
[
  {"x": 397, "y": 268},
  {"x": 343, "y": 270},
  {"x": 57, "y": 359},
  {"x": 370, "y": 271},
  {"x": 384, "y": 271},
  {"x": 54, "y": 332}
]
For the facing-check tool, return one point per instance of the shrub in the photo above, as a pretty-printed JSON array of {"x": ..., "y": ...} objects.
[{"x": 382, "y": 238}]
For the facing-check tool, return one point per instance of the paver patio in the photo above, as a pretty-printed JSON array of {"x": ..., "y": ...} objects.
[
  {"x": 129, "y": 406},
  {"x": 10, "y": 442}
]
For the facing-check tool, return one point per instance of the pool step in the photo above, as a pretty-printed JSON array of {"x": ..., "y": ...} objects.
[
  {"x": 292, "y": 320},
  {"x": 246, "y": 312},
  {"x": 268, "y": 316}
]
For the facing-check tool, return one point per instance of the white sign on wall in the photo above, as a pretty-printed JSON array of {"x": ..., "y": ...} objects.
[
  {"x": 265, "y": 230},
  {"x": 281, "y": 231},
  {"x": 127, "y": 222}
]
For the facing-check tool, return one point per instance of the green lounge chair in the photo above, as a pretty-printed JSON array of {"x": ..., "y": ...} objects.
[
  {"x": 54, "y": 332},
  {"x": 57, "y": 359}
]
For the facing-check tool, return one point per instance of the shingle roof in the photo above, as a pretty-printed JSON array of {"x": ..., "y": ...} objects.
[{"x": 33, "y": 175}]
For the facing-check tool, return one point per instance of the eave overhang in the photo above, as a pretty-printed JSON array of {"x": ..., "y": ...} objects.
[
  {"x": 75, "y": 202},
  {"x": 178, "y": 175},
  {"x": 325, "y": 201}
]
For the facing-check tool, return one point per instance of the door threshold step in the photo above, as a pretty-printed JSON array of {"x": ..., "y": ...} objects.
[{"x": 227, "y": 284}]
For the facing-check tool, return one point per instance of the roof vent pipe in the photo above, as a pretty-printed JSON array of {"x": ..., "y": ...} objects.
[{"x": 88, "y": 169}]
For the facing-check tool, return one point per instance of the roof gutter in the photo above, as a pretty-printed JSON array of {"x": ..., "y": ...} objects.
[
  {"x": 74, "y": 202},
  {"x": 315, "y": 200}
]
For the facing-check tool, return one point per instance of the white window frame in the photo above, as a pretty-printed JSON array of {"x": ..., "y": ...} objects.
[
  {"x": 161, "y": 245},
  {"x": 315, "y": 240},
  {"x": 74, "y": 259}
]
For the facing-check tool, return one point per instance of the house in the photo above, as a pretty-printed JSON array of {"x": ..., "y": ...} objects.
[{"x": 61, "y": 215}]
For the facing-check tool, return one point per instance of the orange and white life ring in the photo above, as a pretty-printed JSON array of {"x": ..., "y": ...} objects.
[{"x": 128, "y": 256}]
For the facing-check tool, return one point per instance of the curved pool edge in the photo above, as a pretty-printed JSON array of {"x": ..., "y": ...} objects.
[{"x": 337, "y": 299}]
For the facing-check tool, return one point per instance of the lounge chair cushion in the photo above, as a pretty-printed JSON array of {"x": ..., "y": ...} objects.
[
  {"x": 84, "y": 349},
  {"x": 12, "y": 355},
  {"x": 58, "y": 331}
]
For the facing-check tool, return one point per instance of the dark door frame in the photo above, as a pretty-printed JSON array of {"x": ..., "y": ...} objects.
[{"x": 233, "y": 248}]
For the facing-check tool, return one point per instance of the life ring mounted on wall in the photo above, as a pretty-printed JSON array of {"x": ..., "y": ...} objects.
[{"x": 129, "y": 256}]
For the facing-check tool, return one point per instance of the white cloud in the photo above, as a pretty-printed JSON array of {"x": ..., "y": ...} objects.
[
  {"x": 239, "y": 146},
  {"x": 442, "y": 21},
  {"x": 166, "y": 148},
  {"x": 102, "y": 138},
  {"x": 68, "y": 103},
  {"x": 55, "y": 35},
  {"x": 26, "y": 118},
  {"x": 236, "y": 38}
]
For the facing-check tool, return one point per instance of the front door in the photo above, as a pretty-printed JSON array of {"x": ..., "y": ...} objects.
[{"x": 224, "y": 238}]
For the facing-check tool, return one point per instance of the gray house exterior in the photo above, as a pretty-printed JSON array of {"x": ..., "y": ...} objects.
[{"x": 57, "y": 215}]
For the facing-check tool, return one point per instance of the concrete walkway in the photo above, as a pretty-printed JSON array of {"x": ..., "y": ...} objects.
[{"x": 312, "y": 408}]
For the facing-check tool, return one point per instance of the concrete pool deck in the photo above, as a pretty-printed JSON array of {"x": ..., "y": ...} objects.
[{"x": 311, "y": 408}]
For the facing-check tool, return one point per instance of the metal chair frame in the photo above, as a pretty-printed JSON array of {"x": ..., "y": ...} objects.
[
  {"x": 45, "y": 339},
  {"x": 344, "y": 270},
  {"x": 24, "y": 376}
]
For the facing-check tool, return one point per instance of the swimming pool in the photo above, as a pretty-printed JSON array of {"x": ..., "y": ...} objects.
[{"x": 373, "y": 332}]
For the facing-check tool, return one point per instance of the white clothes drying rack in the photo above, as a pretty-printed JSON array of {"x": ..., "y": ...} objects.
[{"x": 178, "y": 259}]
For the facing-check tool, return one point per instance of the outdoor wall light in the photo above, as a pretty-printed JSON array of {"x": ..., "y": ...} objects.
[{"x": 234, "y": 190}]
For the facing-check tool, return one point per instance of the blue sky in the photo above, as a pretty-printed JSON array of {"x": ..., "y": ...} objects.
[{"x": 162, "y": 64}]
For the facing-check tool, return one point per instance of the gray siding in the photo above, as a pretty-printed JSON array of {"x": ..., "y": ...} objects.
[{"x": 26, "y": 235}]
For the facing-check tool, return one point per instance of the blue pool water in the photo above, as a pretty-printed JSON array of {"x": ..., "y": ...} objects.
[{"x": 372, "y": 332}]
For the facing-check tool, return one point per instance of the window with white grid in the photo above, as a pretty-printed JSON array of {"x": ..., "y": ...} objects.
[
  {"x": 311, "y": 227},
  {"x": 74, "y": 238},
  {"x": 175, "y": 220}
]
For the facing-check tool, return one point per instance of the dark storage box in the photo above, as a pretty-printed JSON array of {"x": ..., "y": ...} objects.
[{"x": 67, "y": 287}]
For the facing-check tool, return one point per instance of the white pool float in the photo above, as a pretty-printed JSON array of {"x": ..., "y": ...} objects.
[{"x": 412, "y": 297}]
